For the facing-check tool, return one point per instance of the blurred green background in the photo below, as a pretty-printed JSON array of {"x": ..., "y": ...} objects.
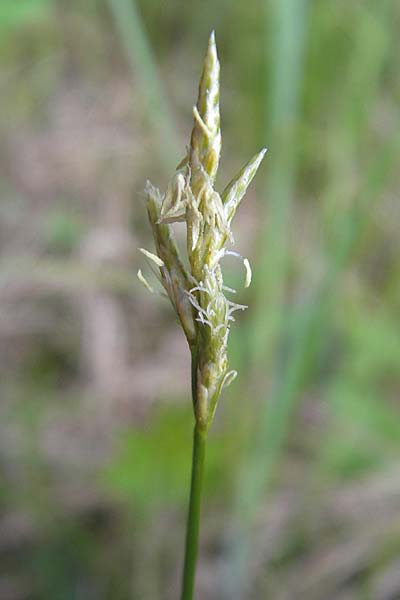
[{"x": 303, "y": 479}]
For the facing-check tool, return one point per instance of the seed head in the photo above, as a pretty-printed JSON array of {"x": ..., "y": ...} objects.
[{"x": 197, "y": 293}]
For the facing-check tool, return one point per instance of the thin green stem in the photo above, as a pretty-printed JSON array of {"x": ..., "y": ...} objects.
[{"x": 193, "y": 520}]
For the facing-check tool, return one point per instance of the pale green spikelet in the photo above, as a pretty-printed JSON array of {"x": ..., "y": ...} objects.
[
  {"x": 205, "y": 141},
  {"x": 236, "y": 189},
  {"x": 198, "y": 293}
]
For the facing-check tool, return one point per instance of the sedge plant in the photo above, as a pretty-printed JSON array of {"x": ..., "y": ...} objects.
[{"x": 195, "y": 284}]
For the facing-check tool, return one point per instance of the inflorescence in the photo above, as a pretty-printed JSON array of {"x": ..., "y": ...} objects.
[{"x": 198, "y": 293}]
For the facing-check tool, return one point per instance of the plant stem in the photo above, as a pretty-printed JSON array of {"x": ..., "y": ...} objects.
[{"x": 193, "y": 520}]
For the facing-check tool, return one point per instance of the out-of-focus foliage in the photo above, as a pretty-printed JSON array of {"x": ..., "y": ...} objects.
[
  {"x": 137, "y": 477},
  {"x": 24, "y": 12},
  {"x": 303, "y": 487}
]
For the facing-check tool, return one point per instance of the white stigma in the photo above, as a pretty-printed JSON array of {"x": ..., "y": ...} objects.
[
  {"x": 144, "y": 281},
  {"x": 247, "y": 280}
]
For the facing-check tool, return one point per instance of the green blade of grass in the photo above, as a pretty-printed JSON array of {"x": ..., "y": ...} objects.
[
  {"x": 141, "y": 60},
  {"x": 306, "y": 329},
  {"x": 286, "y": 48}
]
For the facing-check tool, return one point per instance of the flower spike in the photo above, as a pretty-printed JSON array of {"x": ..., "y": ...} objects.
[{"x": 197, "y": 293}]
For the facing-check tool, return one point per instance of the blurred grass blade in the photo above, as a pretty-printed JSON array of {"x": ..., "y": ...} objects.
[
  {"x": 286, "y": 49},
  {"x": 141, "y": 60},
  {"x": 290, "y": 19},
  {"x": 307, "y": 334},
  {"x": 304, "y": 330}
]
